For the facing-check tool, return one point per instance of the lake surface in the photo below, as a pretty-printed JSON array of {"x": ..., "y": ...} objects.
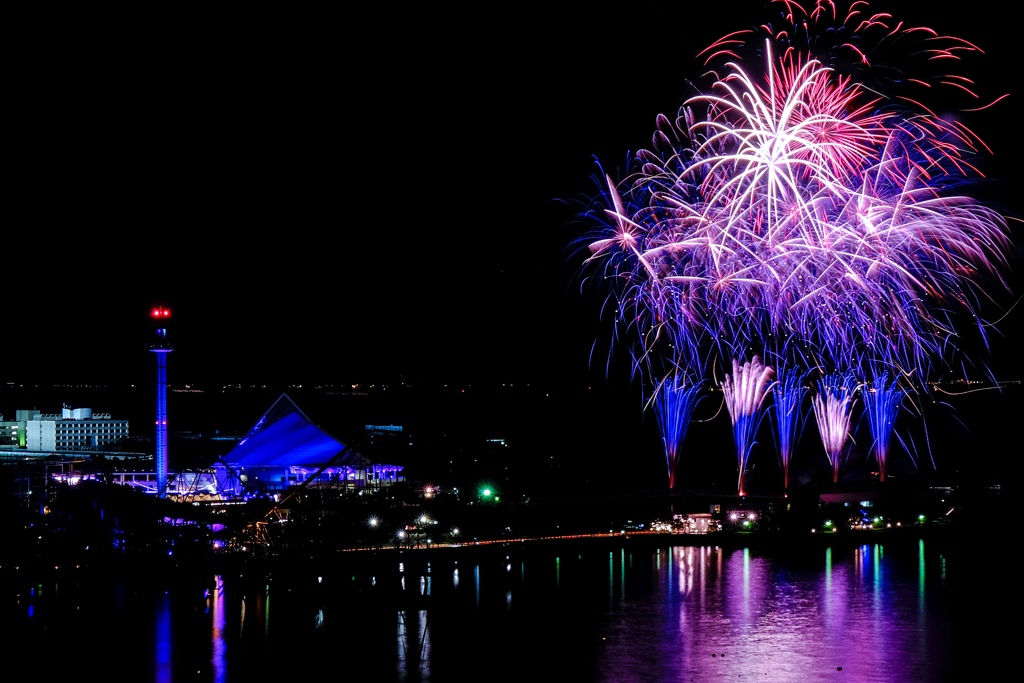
[{"x": 911, "y": 610}]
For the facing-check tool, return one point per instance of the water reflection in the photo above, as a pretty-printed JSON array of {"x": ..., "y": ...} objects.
[
  {"x": 266, "y": 614},
  {"x": 920, "y": 582},
  {"x": 414, "y": 645},
  {"x": 920, "y": 563},
  {"x": 162, "y": 654},
  {"x": 218, "y": 659},
  {"x": 875, "y": 610},
  {"x": 241, "y": 619},
  {"x": 622, "y": 572},
  {"x": 791, "y": 623}
]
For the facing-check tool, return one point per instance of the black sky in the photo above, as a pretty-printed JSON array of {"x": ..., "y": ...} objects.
[{"x": 349, "y": 196}]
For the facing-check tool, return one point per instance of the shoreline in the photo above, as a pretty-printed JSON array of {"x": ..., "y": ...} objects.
[{"x": 298, "y": 563}]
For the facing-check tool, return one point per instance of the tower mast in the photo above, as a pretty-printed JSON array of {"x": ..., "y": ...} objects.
[{"x": 161, "y": 347}]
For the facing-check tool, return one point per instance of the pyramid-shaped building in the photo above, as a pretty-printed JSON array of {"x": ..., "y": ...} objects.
[{"x": 285, "y": 449}]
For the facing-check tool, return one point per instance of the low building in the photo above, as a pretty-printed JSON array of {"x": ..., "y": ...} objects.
[
  {"x": 861, "y": 499},
  {"x": 701, "y": 523},
  {"x": 71, "y": 430}
]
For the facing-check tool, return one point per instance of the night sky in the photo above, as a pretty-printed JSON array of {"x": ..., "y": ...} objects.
[{"x": 351, "y": 197}]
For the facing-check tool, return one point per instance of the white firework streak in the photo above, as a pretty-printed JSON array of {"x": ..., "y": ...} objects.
[
  {"x": 745, "y": 391},
  {"x": 833, "y": 408}
]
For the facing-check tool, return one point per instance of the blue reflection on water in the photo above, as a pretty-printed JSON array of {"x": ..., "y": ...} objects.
[{"x": 162, "y": 655}]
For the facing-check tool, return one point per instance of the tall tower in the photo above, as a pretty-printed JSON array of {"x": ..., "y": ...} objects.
[{"x": 161, "y": 347}]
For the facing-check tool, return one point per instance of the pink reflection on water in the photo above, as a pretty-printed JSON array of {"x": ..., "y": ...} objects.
[
  {"x": 217, "y": 659},
  {"x": 735, "y": 615}
]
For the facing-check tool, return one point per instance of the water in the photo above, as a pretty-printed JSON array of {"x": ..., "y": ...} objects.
[{"x": 912, "y": 611}]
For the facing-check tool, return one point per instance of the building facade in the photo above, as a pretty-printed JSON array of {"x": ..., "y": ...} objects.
[{"x": 71, "y": 430}]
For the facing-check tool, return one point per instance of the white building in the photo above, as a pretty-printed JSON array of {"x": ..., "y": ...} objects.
[
  {"x": 12, "y": 432},
  {"x": 72, "y": 430}
]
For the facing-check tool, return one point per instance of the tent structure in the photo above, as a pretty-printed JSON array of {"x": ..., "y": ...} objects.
[{"x": 285, "y": 449}]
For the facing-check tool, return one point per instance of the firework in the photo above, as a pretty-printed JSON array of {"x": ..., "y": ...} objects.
[
  {"x": 761, "y": 234},
  {"x": 799, "y": 207},
  {"x": 833, "y": 408},
  {"x": 881, "y": 403},
  {"x": 806, "y": 204},
  {"x": 789, "y": 392},
  {"x": 674, "y": 405},
  {"x": 745, "y": 391}
]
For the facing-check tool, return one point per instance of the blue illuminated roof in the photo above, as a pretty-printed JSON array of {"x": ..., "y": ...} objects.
[
  {"x": 284, "y": 437},
  {"x": 290, "y": 441},
  {"x": 282, "y": 407}
]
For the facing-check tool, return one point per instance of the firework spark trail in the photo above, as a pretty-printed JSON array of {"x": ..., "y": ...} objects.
[
  {"x": 833, "y": 408},
  {"x": 789, "y": 392},
  {"x": 674, "y": 406},
  {"x": 881, "y": 403},
  {"x": 745, "y": 392}
]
